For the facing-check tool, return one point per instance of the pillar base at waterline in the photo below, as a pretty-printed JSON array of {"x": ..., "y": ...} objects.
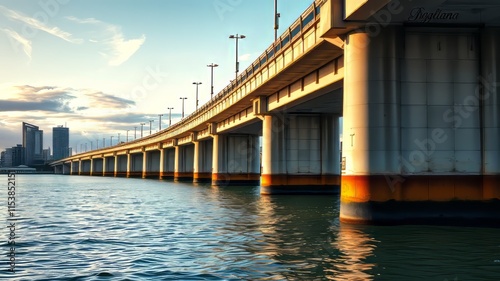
[
  {"x": 249, "y": 179},
  {"x": 167, "y": 175},
  {"x": 300, "y": 184},
  {"x": 134, "y": 174},
  {"x": 202, "y": 177},
  {"x": 183, "y": 176},
  {"x": 431, "y": 199},
  {"x": 109, "y": 174},
  {"x": 151, "y": 175}
]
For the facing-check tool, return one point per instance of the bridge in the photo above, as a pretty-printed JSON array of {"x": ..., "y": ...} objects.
[{"x": 415, "y": 83}]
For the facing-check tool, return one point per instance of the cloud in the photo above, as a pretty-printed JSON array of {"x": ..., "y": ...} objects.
[
  {"x": 116, "y": 48},
  {"x": 25, "y": 43},
  {"x": 100, "y": 99},
  {"x": 36, "y": 24},
  {"x": 245, "y": 57},
  {"x": 61, "y": 100}
]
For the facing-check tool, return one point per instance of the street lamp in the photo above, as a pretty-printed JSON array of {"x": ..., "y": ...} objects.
[
  {"x": 197, "y": 84},
  {"x": 237, "y": 37},
  {"x": 276, "y": 20},
  {"x": 111, "y": 144},
  {"x": 127, "y": 135},
  {"x": 142, "y": 125},
  {"x": 159, "y": 122},
  {"x": 118, "y": 138},
  {"x": 183, "y": 106},
  {"x": 103, "y": 142},
  {"x": 212, "y": 65},
  {"x": 170, "y": 115},
  {"x": 135, "y": 133},
  {"x": 150, "y": 121},
  {"x": 97, "y": 140}
]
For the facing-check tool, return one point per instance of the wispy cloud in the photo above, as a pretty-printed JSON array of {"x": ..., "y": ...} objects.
[
  {"x": 36, "y": 24},
  {"x": 116, "y": 48},
  {"x": 61, "y": 100},
  {"x": 19, "y": 39}
]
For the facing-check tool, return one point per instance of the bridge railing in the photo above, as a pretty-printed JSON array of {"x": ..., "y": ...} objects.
[{"x": 308, "y": 17}]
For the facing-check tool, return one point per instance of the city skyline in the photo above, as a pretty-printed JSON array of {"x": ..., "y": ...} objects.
[{"x": 73, "y": 64}]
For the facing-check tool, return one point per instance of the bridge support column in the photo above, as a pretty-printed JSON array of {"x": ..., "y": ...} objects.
[
  {"x": 136, "y": 165},
  {"x": 183, "y": 166},
  {"x": 162, "y": 163},
  {"x": 151, "y": 164},
  {"x": 415, "y": 145},
  {"x": 202, "y": 170},
  {"x": 104, "y": 164},
  {"x": 490, "y": 84},
  {"x": 168, "y": 163},
  {"x": 235, "y": 160},
  {"x": 300, "y": 154},
  {"x": 80, "y": 167}
]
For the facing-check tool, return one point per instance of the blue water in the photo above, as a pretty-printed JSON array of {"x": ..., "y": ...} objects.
[{"x": 95, "y": 228}]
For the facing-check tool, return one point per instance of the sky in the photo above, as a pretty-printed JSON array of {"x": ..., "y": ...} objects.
[{"x": 102, "y": 67}]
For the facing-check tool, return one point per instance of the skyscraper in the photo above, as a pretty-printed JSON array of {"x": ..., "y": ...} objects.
[
  {"x": 60, "y": 142},
  {"x": 33, "y": 144}
]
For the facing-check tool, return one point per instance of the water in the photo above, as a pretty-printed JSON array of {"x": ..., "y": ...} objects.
[{"x": 94, "y": 228}]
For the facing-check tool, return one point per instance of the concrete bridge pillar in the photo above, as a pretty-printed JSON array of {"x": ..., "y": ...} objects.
[
  {"x": 136, "y": 164},
  {"x": 86, "y": 167},
  {"x": 168, "y": 163},
  {"x": 202, "y": 170},
  {"x": 109, "y": 166},
  {"x": 490, "y": 91},
  {"x": 415, "y": 146},
  {"x": 162, "y": 163},
  {"x": 104, "y": 165},
  {"x": 151, "y": 164},
  {"x": 300, "y": 154},
  {"x": 97, "y": 166},
  {"x": 235, "y": 160},
  {"x": 80, "y": 167},
  {"x": 183, "y": 166},
  {"x": 122, "y": 165}
]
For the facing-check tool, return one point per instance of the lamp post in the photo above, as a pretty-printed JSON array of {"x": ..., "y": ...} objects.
[
  {"x": 159, "y": 122},
  {"x": 170, "y": 115},
  {"x": 118, "y": 138},
  {"x": 276, "y": 20},
  {"x": 197, "y": 84},
  {"x": 97, "y": 141},
  {"x": 127, "y": 135},
  {"x": 135, "y": 133},
  {"x": 237, "y": 37},
  {"x": 212, "y": 65},
  {"x": 91, "y": 145},
  {"x": 150, "y": 121},
  {"x": 183, "y": 106},
  {"x": 142, "y": 125},
  {"x": 103, "y": 142},
  {"x": 111, "y": 144}
]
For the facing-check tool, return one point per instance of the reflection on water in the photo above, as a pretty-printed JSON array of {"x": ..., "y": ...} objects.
[{"x": 92, "y": 228}]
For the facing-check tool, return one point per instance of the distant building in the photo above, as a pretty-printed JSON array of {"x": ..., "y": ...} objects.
[
  {"x": 18, "y": 154},
  {"x": 6, "y": 160},
  {"x": 13, "y": 156},
  {"x": 60, "y": 142},
  {"x": 33, "y": 144},
  {"x": 46, "y": 155}
]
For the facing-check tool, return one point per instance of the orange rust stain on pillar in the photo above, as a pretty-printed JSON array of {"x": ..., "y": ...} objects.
[
  {"x": 369, "y": 188},
  {"x": 235, "y": 177},
  {"x": 491, "y": 187},
  {"x": 299, "y": 180}
]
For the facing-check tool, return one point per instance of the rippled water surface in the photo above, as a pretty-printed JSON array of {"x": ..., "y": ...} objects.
[{"x": 94, "y": 228}]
